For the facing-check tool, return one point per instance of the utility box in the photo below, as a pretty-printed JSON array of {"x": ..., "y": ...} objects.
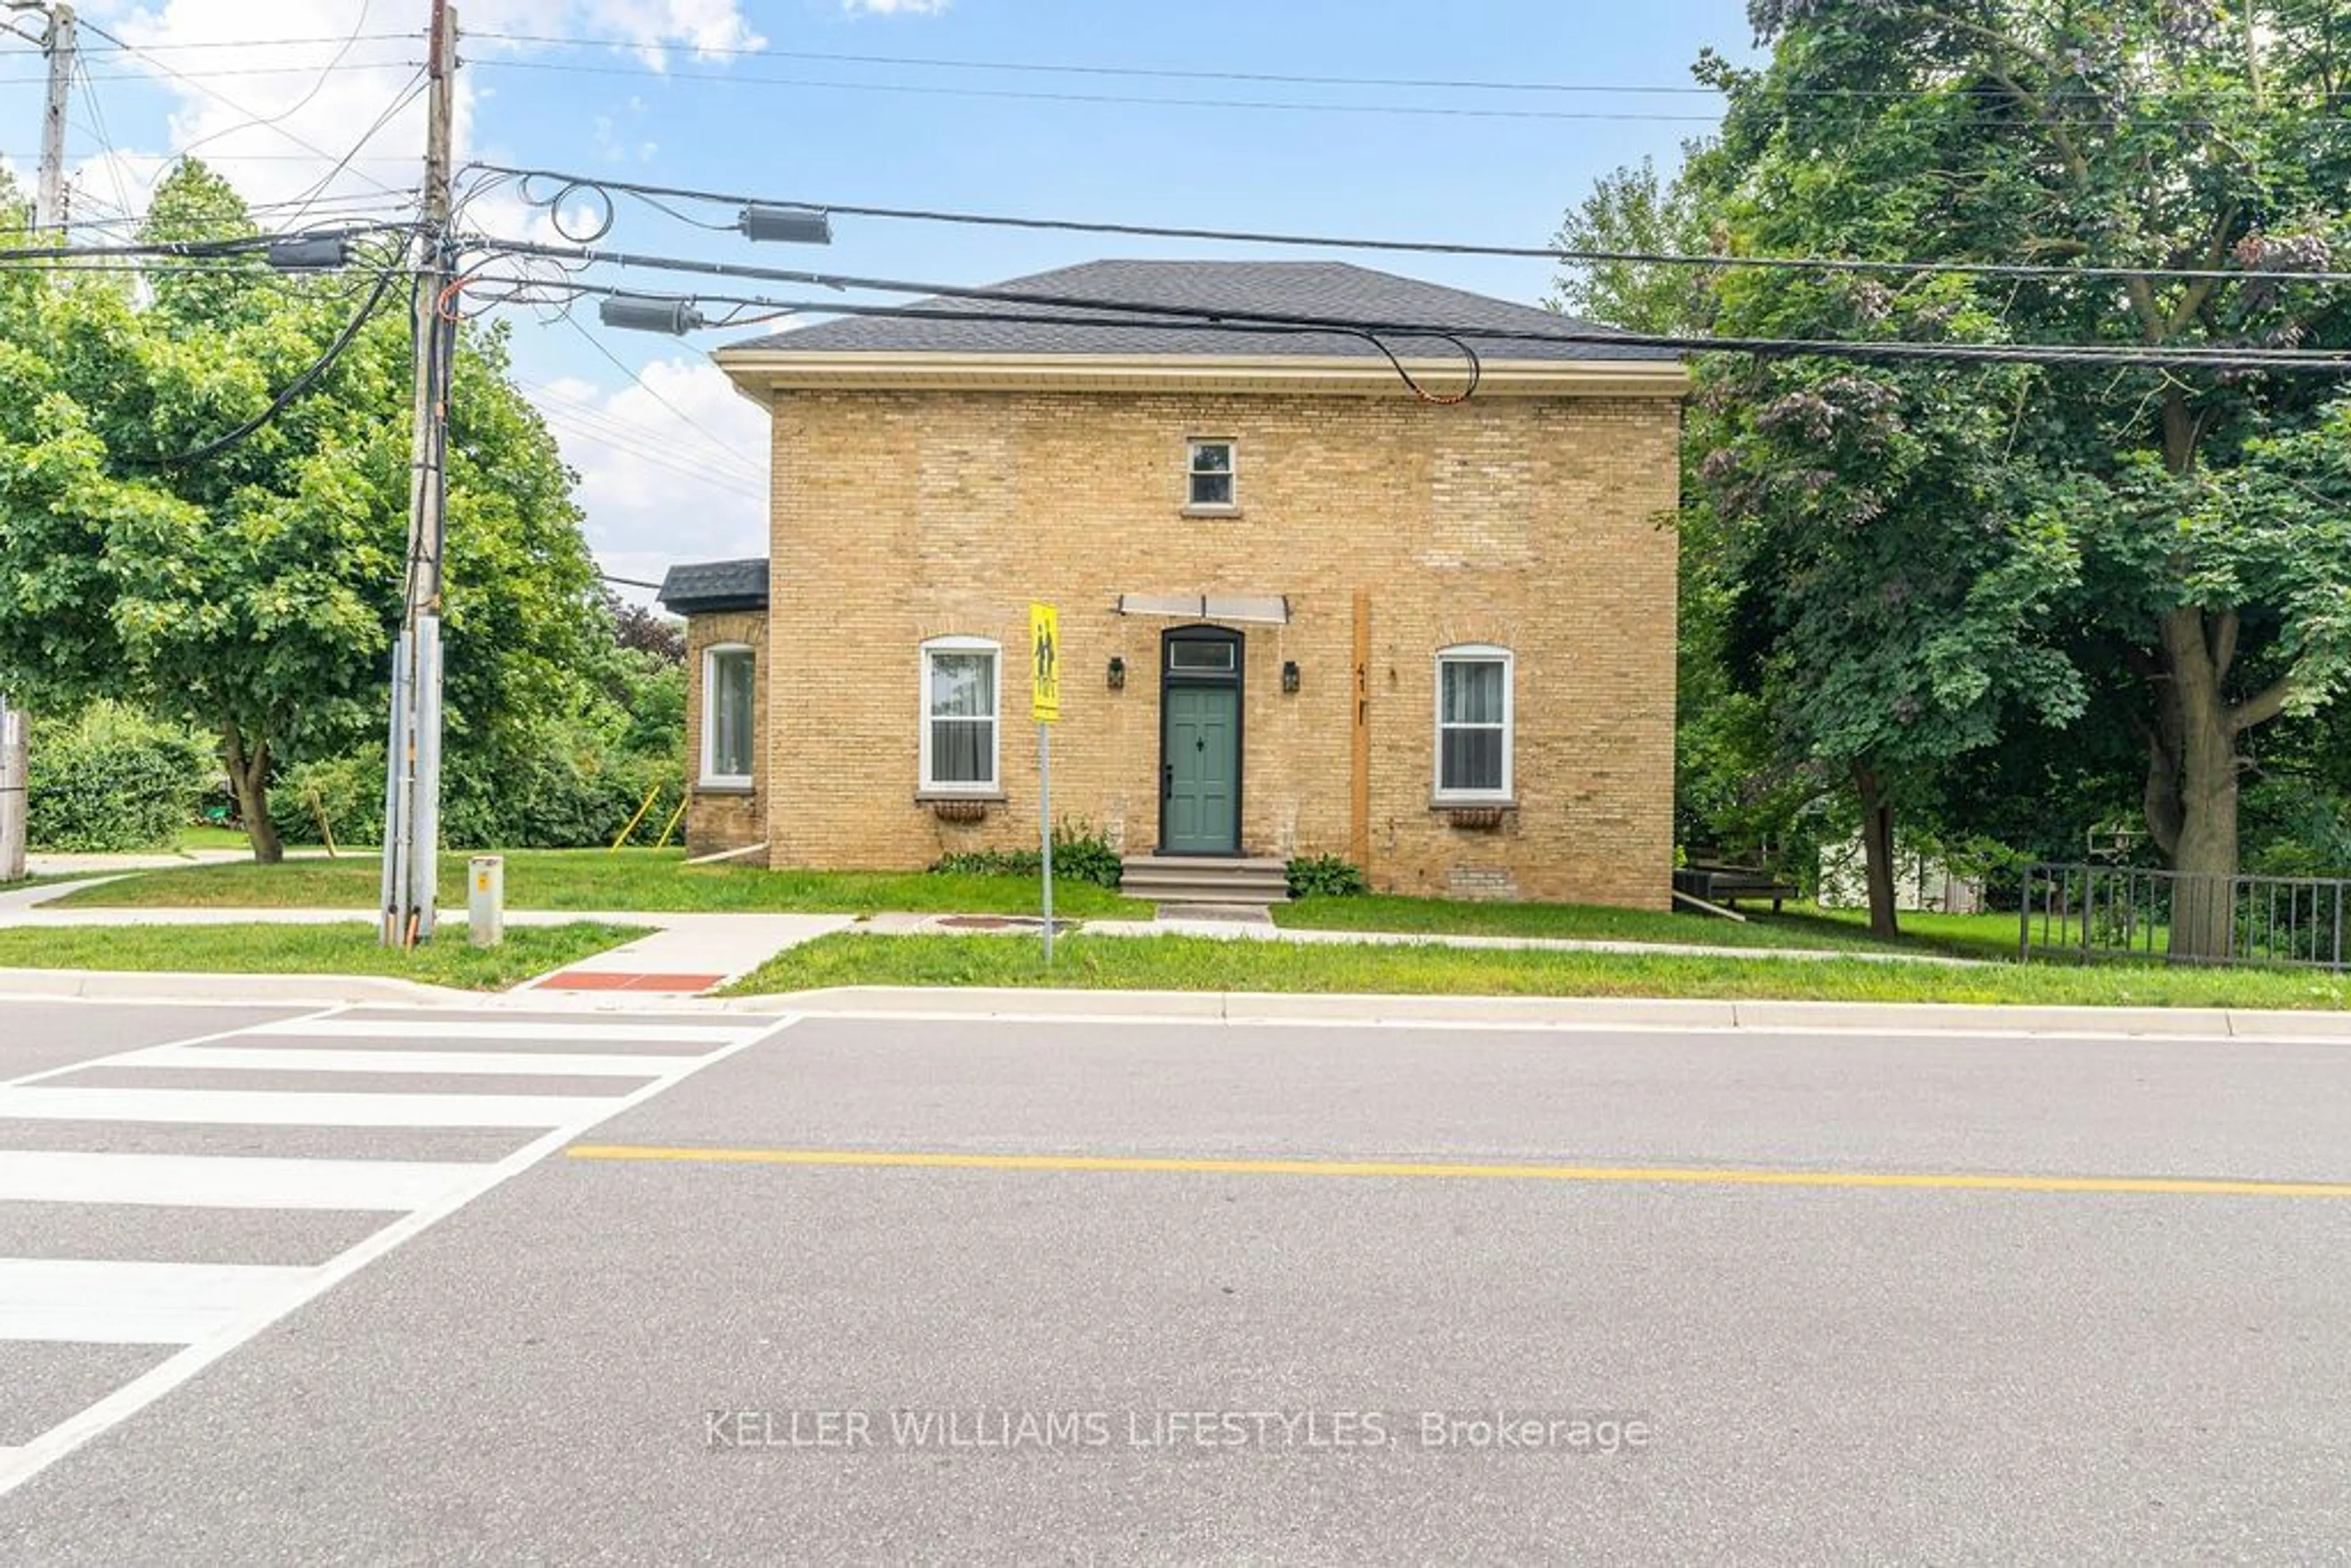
[{"x": 485, "y": 901}]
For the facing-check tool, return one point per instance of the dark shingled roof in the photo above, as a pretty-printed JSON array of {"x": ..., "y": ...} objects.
[
  {"x": 709, "y": 587},
  {"x": 1321, "y": 288}
]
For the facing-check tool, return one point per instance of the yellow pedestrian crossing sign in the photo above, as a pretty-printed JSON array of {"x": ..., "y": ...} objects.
[{"x": 1044, "y": 663}]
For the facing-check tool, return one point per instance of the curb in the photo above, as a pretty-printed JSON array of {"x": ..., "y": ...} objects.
[
  {"x": 1554, "y": 1012},
  {"x": 167, "y": 986}
]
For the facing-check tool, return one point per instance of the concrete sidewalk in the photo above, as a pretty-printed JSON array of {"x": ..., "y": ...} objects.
[
  {"x": 46, "y": 863},
  {"x": 684, "y": 954},
  {"x": 690, "y": 954}
]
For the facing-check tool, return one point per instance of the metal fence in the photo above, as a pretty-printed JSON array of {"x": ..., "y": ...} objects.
[{"x": 2091, "y": 912}]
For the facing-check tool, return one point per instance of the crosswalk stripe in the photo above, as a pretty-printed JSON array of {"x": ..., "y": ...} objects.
[
  {"x": 72, "y": 1301},
  {"x": 226, "y": 1181},
  {"x": 287, "y": 1058},
  {"x": 290, "y": 1108},
  {"x": 716, "y": 1037}
]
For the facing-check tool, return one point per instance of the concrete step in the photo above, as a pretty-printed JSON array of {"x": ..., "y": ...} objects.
[
  {"x": 1209, "y": 864},
  {"x": 1188, "y": 879}
]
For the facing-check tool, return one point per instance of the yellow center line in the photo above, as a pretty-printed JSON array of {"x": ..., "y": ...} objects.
[{"x": 881, "y": 1159}]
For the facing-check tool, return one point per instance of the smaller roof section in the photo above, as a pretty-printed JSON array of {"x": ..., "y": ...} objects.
[{"x": 714, "y": 586}]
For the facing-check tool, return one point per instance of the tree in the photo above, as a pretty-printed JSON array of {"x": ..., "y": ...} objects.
[
  {"x": 1634, "y": 211},
  {"x": 1888, "y": 614},
  {"x": 645, "y": 631},
  {"x": 253, "y": 590},
  {"x": 1846, "y": 619},
  {"x": 2173, "y": 134}
]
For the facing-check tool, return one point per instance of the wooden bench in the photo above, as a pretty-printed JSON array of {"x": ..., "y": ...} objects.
[{"x": 1725, "y": 886}]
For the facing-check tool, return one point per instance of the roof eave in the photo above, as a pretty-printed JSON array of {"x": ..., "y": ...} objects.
[{"x": 760, "y": 374}]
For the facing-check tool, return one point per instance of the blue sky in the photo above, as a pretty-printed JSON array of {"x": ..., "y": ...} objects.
[{"x": 721, "y": 94}]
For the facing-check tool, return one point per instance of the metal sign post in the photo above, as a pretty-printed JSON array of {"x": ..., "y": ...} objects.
[{"x": 1045, "y": 706}]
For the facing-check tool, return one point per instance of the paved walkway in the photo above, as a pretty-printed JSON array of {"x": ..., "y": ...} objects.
[
  {"x": 691, "y": 953},
  {"x": 48, "y": 864}
]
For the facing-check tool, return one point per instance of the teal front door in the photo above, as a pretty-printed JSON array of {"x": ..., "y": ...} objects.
[{"x": 1200, "y": 775}]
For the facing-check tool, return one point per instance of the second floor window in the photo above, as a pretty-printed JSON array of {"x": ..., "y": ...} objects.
[{"x": 1211, "y": 480}]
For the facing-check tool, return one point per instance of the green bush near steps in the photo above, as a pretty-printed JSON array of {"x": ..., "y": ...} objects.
[
  {"x": 1080, "y": 854},
  {"x": 111, "y": 779},
  {"x": 1326, "y": 876}
]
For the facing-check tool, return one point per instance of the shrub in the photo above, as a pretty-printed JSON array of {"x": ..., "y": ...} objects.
[
  {"x": 1080, "y": 854},
  {"x": 558, "y": 797},
  {"x": 1326, "y": 876},
  {"x": 111, "y": 779},
  {"x": 348, "y": 790}
]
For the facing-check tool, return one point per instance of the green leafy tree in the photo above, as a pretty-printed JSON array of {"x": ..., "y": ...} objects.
[
  {"x": 2148, "y": 136},
  {"x": 254, "y": 592},
  {"x": 1888, "y": 615}
]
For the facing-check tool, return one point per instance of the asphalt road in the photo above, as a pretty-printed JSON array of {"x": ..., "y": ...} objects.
[{"x": 744, "y": 1290}]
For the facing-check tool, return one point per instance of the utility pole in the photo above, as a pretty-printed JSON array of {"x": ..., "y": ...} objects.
[
  {"x": 412, "y": 826},
  {"x": 50, "y": 213},
  {"x": 57, "y": 44}
]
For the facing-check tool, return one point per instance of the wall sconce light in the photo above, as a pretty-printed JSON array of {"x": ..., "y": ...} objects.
[
  {"x": 1117, "y": 674},
  {"x": 1290, "y": 675}
]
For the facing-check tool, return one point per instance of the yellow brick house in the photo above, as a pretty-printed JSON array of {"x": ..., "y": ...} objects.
[{"x": 1303, "y": 609}]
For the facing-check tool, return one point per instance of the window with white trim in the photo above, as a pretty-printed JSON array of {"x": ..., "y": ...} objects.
[
  {"x": 959, "y": 689},
  {"x": 728, "y": 683},
  {"x": 1474, "y": 723},
  {"x": 1209, "y": 486}
]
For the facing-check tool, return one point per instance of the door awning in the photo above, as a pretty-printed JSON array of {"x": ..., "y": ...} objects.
[{"x": 1254, "y": 608}]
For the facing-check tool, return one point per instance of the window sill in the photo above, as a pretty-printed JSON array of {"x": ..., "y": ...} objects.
[
  {"x": 726, "y": 787},
  {"x": 1233, "y": 512},
  {"x": 981, "y": 797}
]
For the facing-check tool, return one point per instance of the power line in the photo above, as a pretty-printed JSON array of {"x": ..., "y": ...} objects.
[
  {"x": 115, "y": 45},
  {"x": 596, "y": 430},
  {"x": 408, "y": 94},
  {"x": 1428, "y": 248},
  {"x": 925, "y": 89},
  {"x": 618, "y": 431},
  {"x": 303, "y": 103},
  {"x": 1439, "y": 111},
  {"x": 225, "y": 71},
  {"x": 637, "y": 379},
  {"x": 243, "y": 245},
  {"x": 99, "y": 127},
  {"x": 1283, "y": 78},
  {"x": 294, "y": 389},
  {"x": 1054, "y": 309},
  {"x": 933, "y": 62},
  {"x": 214, "y": 93}
]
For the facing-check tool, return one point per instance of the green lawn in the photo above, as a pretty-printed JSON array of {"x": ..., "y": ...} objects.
[
  {"x": 341, "y": 949},
  {"x": 653, "y": 880},
  {"x": 211, "y": 838},
  {"x": 1843, "y": 930},
  {"x": 1189, "y": 964}
]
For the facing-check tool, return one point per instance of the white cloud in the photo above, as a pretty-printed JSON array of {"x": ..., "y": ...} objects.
[
  {"x": 894, "y": 8},
  {"x": 278, "y": 129},
  {"x": 659, "y": 488}
]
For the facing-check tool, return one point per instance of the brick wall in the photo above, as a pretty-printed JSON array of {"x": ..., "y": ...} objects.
[
  {"x": 1534, "y": 523},
  {"x": 723, "y": 817}
]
